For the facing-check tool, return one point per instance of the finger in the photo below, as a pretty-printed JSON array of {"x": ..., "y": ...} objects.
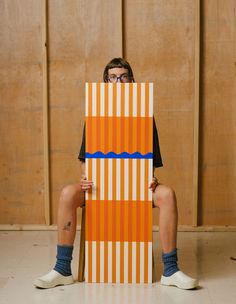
[{"x": 85, "y": 182}]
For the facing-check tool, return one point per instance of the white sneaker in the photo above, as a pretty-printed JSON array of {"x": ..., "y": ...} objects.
[
  {"x": 180, "y": 280},
  {"x": 52, "y": 279}
]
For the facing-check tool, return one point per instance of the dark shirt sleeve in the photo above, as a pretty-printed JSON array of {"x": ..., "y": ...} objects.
[
  {"x": 157, "y": 160},
  {"x": 81, "y": 156}
]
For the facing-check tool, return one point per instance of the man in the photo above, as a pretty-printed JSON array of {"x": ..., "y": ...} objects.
[{"x": 72, "y": 197}]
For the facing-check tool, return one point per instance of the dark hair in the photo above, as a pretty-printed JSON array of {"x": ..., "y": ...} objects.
[{"x": 117, "y": 63}]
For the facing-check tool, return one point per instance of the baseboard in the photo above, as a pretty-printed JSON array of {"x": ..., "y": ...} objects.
[{"x": 181, "y": 228}]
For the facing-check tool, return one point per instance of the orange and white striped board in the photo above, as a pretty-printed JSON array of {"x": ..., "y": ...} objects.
[{"x": 119, "y": 158}]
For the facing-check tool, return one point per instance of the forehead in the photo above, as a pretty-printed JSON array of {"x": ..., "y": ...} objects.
[{"x": 117, "y": 71}]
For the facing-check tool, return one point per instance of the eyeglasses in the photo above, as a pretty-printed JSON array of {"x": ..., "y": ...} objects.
[{"x": 123, "y": 78}]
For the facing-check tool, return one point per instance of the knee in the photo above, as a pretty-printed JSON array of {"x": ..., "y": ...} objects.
[
  {"x": 69, "y": 194},
  {"x": 165, "y": 196}
]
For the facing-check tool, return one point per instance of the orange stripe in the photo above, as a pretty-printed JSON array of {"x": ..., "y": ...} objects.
[
  {"x": 130, "y": 221},
  {"x": 142, "y": 135},
  {"x": 89, "y": 262},
  {"x": 105, "y": 262},
  {"x": 138, "y": 179},
  {"x": 94, "y": 220},
  {"x": 134, "y": 221},
  {"x": 122, "y": 96},
  {"x": 113, "y": 262},
  {"x": 131, "y": 100},
  {"x": 98, "y": 101},
  {"x": 122, "y": 262},
  {"x": 114, "y": 202},
  {"x": 125, "y": 203},
  {"x": 126, "y": 134},
  {"x": 110, "y": 221},
  {"x": 138, "y": 219},
  {"x": 106, "y": 221},
  {"x": 138, "y": 262},
  {"x": 97, "y": 261},
  {"x": 101, "y": 207},
  {"x": 98, "y": 182},
  {"x": 110, "y": 134},
  {"x": 150, "y": 136},
  {"x": 146, "y": 180},
  {"x": 118, "y": 135},
  {"x": 138, "y": 130},
  {"x": 130, "y": 193},
  {"x": 145, "y": 262},
  {"x": 146, "y": 225},
  {"x": 114, "y": 138},
  {"x": 141, "y": 221},
  {"x": 87, "y": 226},
  {"x": 118, "y": 220},
  {"x": 134, "y": 135},
  {"x": 138, "y": 99},
  {"x": 114, "y": 101},
  {"x": 101, "y": 144},
  {"x": 106, "y": 99},
  {"x": 146, "y": 99},
  {"x": 90, "y": 99},
  {"x": 150, "y": 221},
  {"x": 130, "y": 262},
  {"x": 89, "y": 161},
  {"x": 105, "y": 179},
  {"x": 122, "y": 170}
]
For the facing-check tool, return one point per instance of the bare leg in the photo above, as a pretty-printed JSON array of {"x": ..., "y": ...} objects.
[
  {"x": 164, "y": 198},
  {"x": 71, "y": 198}
]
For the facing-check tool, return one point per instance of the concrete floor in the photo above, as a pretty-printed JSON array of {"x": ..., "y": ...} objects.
[{"x": 25, "y": 255}]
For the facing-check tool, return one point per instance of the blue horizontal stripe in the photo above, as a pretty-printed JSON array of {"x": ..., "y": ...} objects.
[{"x": 137, "y": 155}]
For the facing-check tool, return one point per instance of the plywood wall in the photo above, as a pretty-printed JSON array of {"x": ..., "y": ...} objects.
[{"x": 159, "y": 39}]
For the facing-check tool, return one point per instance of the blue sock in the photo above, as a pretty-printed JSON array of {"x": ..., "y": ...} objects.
[
  {"x": 170, "y": 263},
  {"x": 64, "y": 258}
]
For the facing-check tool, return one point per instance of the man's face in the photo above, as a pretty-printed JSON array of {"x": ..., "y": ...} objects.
[{"x": 118, "y": 75}]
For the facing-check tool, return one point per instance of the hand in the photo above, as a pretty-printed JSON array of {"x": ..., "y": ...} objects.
[
  {"x": 85, "y": 184},
  {"x": 154, "y": 184}
]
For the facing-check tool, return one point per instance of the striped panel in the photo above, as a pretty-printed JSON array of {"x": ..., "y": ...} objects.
[{"x": 118, "y": 246}]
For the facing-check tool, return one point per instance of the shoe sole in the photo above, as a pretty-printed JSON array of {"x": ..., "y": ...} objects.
[
  {"x": 45, "y": 285},
  {"x": 169, "y": 282}
]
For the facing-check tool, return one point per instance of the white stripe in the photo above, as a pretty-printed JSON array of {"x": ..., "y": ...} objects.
[
  {"x": 142, "y": 99},
  {"x": 118, "y": 101},
  {"x": 134, "y": 179},
  {"x": 102, "y": 178},
  {"x": 86, "y": 99},
  {"x": 134, "y": 262},
  {"x": 141, "y": 262},
  {"x": 149, "y": 262},
  {"x": 126, "y": 99},
  {"x": 110, "y": 99},
  {"x": 87, "y": 163},
  {"x": 94, "y": 178},
  {"x": 109, "y": 261},
  {"x": 86, "y": 262},
  {"x": 94, "y": 261},
  {"x": 94, "y": 110},
  {"x": 126, "y": 179},
  {"x": 101, "y": 262},
  {"x": 126, "y": 262},
  {"x": 102, "y": 106},
  {"x": 117, "y": 262},
  {"x": 150, "y": 174},
  {"x": 134, "y": 100},
  {"x": 142, "y": 179},
  {"x": 118, "y": 179},
  {"x": 109, "y": 179},
  {"x": 150, "y": 99}
]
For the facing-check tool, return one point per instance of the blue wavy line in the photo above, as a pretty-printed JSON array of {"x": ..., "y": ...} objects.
[{"x": 111, "y": 154}]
